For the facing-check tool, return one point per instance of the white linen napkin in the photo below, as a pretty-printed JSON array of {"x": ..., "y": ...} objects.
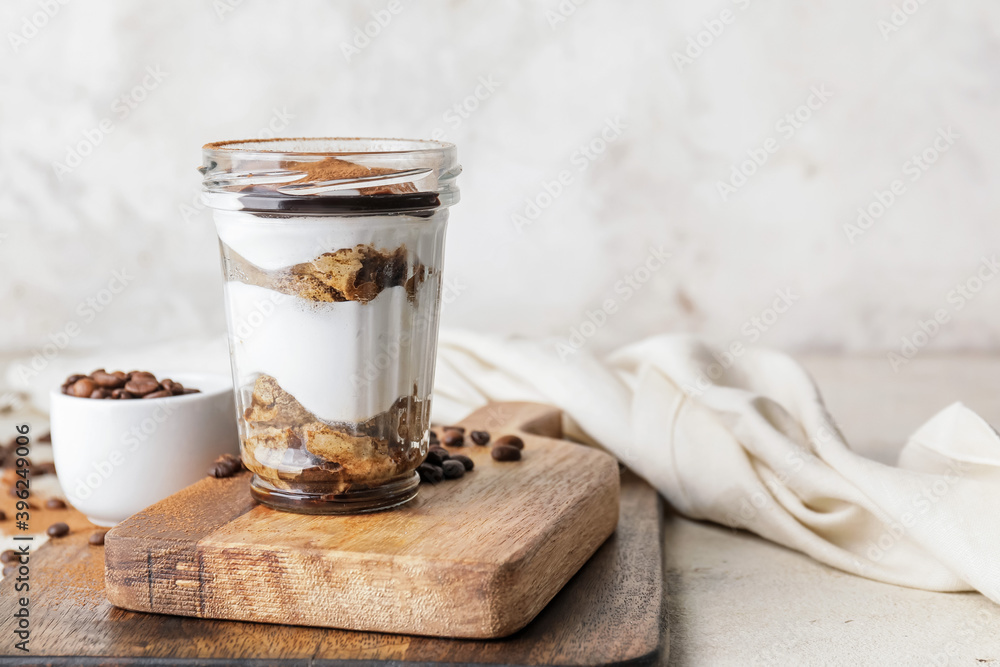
[{"x": 752, "y": 446}]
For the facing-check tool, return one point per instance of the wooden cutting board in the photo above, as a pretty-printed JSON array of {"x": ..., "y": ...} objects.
[
  {"x": 477, "y": 557},
  {"x": 612, "y": 612}
]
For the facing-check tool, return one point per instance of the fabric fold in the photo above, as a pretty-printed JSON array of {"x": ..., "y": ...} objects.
[{"x": 748, "y": 443}]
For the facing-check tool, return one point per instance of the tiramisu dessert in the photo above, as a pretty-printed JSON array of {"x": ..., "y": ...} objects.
[{"x": 332, "y": 267}]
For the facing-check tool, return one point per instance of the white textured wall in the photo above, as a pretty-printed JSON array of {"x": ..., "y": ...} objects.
[{"x": 230, "y": 68}]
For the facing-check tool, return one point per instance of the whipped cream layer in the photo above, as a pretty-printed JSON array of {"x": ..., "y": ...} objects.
[
  {"x": 276, "y": 243},
  {"x": 344, "y": 362}
]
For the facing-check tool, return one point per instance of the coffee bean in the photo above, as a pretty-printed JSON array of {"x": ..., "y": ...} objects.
[
  {"x": 107, "y": 380},
  {"x": 220, "y": 470},
  {"x": 188, "y": 390},
  {"x": 480, "y": 437},
  {"x": 175, "y": 388},
  {"x": 100, "y": 393},
  {"x": 55, "y": 504},
  {"x": 73, "y": 378},
  {"x": 433, "y": 436},
  {"x": 3, "y": 515},
  {"x": 44, "y": 468},
  {"x": 58, "y": 530},
  {"x": 9, "y": 556},
  {"x": 454, "y": 438},
  {"x": 464, "y": 460},
  {"x": 9, "y": 570},
  {"x": 82, "y": 388},
  {"x": 121, "y": 394},
  {"x": 162, "y": 393},
  {"x": 140, "y": 385},
  {"x": 453, "y": 469},
  {"x": 97, "y": 537},
  {"x": 429, "y": 473},
  {"x": 436, "y": 456},
  {"x": 226, "y": 465},
  {"x": 510, "y": 441},
  {"x": 505, "y": 453}
]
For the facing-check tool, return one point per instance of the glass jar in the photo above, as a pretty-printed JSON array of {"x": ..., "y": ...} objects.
[{"x": 332, "y": 253}]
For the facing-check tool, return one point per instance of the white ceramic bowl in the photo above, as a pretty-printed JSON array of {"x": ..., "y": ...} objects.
[{"x": 115, "y": 458}]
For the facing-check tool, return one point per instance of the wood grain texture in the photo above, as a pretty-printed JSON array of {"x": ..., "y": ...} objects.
[
  {"x": 477, "y": 557},
  {"x": 611, "y": 612}
]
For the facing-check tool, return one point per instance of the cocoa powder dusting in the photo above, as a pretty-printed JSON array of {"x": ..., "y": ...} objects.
[{"x": 334, "y": 169}]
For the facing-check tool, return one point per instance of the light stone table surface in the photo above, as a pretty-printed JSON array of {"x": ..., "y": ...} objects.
[{"x": 735, "y": 599}]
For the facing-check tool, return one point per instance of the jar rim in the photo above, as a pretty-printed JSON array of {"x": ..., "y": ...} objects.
[
  {"x": 330, "y": 175},
  {"x": 353, "y": 146}
]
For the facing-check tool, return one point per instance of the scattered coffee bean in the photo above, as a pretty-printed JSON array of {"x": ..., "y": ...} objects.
[
  {"x": 44, "y": 468},
  {"x": 220, "y": 470},
  {"x": 430, "y": 474},
  {"x": 226, "y": 465},
  {"x": 505, "y": 453},
  {"x": 9, "y": 570},
  {"x": 433, "y": 436},
  {"x": 58, "y": 530},
  {"x": 118, "y": 385},
  {"x": 464, "y": 460},
  {"x": 3, "y": 515},
  {"x": 437, "y": 455},
  {"x": 454, "y": 438},
  {"x": 97, "y": 537},
  {"x": 55, "y": 504},
  {"x": 8, "y": 556},
  {"x": 453, "y": 469},
  {"x": 510, "y": 441},
  {"x": 480, "y": 437}
]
